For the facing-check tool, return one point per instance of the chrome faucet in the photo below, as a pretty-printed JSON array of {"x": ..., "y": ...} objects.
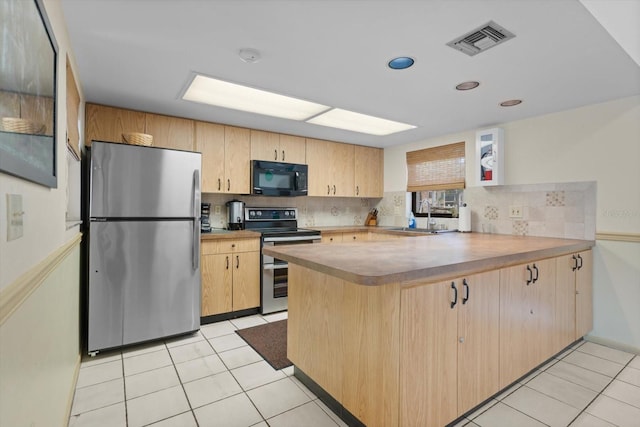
[{"x": 431, "y": 223}]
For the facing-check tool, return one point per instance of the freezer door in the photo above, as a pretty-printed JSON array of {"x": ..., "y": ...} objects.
[
  {"x": 150, "y": 266},
  {"x": 130, "y": 181}
]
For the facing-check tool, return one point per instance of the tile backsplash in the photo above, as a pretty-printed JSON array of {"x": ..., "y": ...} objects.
[
  {"x": 312, "y": 211},
  {"x": 566, "y": 210}
]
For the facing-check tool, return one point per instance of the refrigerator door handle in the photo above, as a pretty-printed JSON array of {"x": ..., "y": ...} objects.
[{"x": 196, "y": 219}]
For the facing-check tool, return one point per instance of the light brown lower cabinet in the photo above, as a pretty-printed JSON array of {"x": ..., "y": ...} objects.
[
  {"x": 448, "y": 348},
  {"x": 423, "y": 353},
  {"x": 528, "y": 334},
  {"x": 584, "y": 293},
  {"x": 338, "y": 237},
  {"x": 230, "y": 276}
]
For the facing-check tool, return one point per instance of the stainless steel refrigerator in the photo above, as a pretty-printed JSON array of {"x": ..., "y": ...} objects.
[{"x": 144, "y": 244}]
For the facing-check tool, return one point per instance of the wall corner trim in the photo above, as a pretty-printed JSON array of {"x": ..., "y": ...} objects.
[{"x": 17, "y": 292}]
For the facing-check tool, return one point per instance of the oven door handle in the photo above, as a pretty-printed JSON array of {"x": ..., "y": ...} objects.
[
  {"x": 274, "y": 266},
  {"x": 291, "y": 239}
]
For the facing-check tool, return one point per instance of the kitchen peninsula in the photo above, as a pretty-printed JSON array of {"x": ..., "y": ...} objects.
[{"x": 418, "y": 331}]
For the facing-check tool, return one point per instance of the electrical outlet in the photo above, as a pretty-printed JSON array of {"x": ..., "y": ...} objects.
[
  {"x": 515, "y": 211},
  {"x": 217, "y": 209}
]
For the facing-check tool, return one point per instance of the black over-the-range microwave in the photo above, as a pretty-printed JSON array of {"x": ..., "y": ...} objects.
[{"x": 278, "y": 179}]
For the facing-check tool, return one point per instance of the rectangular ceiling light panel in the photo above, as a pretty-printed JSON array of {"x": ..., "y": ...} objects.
[
  {"x": 356, "y": 122},
  {"x": 211, "y": 91}
]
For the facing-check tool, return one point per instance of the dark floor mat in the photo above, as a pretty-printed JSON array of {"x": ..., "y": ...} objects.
[{"x": 270, "y": 341}]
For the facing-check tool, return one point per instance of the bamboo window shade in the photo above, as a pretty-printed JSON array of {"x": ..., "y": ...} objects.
[{"x": 437, "y": 168}]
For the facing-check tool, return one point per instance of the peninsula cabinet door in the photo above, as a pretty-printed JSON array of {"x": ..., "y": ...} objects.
[
  {"x": 478, "y": 338},
  {"x": 528, "y": 333},
  {"x": 584, "y": 294},
  {"x": 428, "y": 356},
  {"x": 449, "y": 348}
]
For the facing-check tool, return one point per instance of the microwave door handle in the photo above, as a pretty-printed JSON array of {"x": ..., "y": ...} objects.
[{"x": 297, "y": 180}]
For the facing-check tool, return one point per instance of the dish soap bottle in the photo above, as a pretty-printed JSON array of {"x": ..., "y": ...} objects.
[{"x": 412, "y": 220}]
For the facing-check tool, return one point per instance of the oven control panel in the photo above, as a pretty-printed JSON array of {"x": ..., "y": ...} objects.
[{"x": 268, "y": 214}]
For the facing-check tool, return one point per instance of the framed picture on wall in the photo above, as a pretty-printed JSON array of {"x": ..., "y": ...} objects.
[
  {"x": 489, "y": 169},
  {"x": 28, "y": 92}
]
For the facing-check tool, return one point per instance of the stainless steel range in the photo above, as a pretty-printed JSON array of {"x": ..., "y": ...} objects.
[{"x": 278, "y": 226}]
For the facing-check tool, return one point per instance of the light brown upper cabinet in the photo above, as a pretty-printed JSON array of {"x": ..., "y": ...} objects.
[
  {"x": 331, "y": 171},
  {"x": 277, "y": 148},
  {"x": 293, "y": 149},
  {"x": 368, "y": 171},
  {"x": 225, "y": 158},
  {"x": 170, "y": 132},
  {"x": 108, "y": 123}
]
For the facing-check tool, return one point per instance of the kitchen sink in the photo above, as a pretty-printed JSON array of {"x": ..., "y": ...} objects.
[{"x": 421, "y": 230}]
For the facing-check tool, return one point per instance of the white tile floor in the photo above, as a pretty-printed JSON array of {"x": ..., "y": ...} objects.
[{"x": 213, "y": 378}]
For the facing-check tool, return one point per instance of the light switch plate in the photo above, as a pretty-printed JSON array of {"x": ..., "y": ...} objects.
[{"x": 14, "y": 217}]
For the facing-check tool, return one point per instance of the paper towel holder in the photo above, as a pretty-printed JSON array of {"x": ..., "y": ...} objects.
[{"x": 464, "y": 219}]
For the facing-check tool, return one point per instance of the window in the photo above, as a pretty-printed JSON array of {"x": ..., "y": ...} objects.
[
  {"x": 436, "y": 176},
  {"x": 444, "y": 203}
]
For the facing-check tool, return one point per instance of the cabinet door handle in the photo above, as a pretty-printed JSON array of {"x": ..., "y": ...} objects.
[
  {"x": 530, "y": 279},
  {"x": 283, "y": 155},
  {"x": 466, "y": 291},
  {"x": 575, "y": 263},
  {"x": 535, "y": 279},
  {"x": 237, "y": 261},
  {"x": 455, "y": 294},
  {"x": 228, "y": 185},
  {"x": 580, "y": 259},
  {"x": 219, "y": 184},
  {"x": 227, "y": 257},
  {"x": 334, "y": 189},
  {"x": 275, "y": 154},
  {"x": 357, "y": 190}
]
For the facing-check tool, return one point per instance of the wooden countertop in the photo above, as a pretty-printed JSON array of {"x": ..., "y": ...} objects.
[
  {"x": 229, "y": 234},
  {"x": 329, "y": 229},
  {"x": 431, "y": 257}
]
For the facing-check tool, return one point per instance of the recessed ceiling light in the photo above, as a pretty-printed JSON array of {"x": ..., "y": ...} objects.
[
  {"x": 400, "y": 63},
  {"x": 216, "y": 92},
  {"x": 467, "y": 85},
  {"x": 510, "y": 103},
  {"x": 356, "y": 122}
]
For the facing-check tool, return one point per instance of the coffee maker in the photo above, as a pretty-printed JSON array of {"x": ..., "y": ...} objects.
[{"x": 235, "y": 215}]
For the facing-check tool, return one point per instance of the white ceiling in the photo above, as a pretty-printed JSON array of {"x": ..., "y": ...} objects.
[{"x": 141, "y": 54}]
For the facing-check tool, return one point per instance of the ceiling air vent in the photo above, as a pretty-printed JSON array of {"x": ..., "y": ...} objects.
[{"x": 482, "y": 38}]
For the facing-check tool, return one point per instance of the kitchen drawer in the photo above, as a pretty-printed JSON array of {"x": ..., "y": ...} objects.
[{"x": 212, "y": 247}]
